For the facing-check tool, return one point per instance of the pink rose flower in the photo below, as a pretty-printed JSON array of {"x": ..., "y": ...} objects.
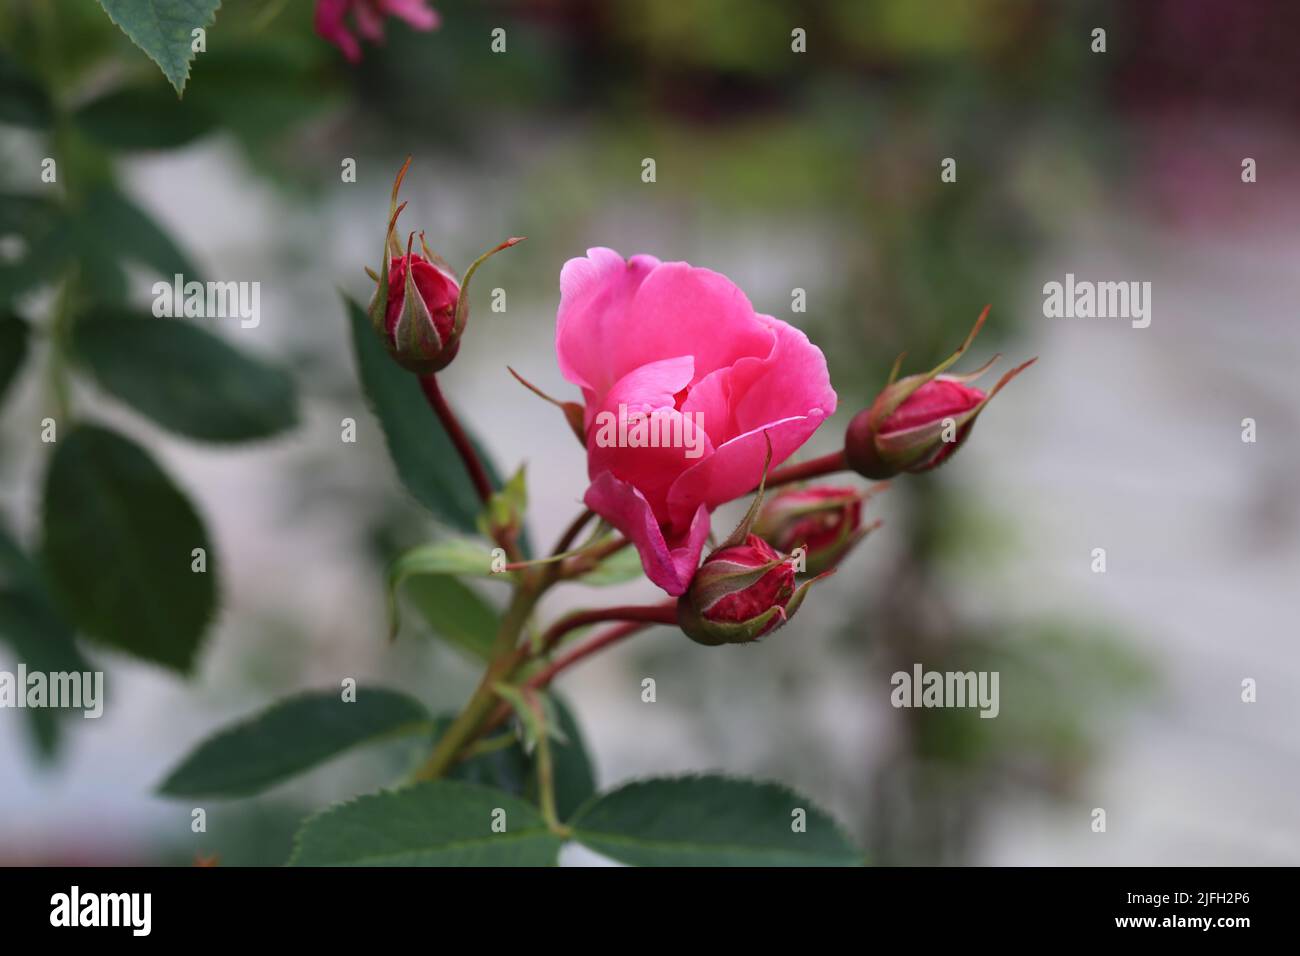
[
  {"x": 368, "y": 16},
  {"x": 683, "y": 344}
]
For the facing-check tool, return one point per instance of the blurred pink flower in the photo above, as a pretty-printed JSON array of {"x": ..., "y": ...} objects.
[
  {"x": 643, "y": 337},
  {"x": 368, "y": 17}
]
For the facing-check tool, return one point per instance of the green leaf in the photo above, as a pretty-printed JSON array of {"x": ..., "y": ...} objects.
[
  {"x": 291, "y": 736},
  {"x": 185, "y": 378},
  {"x": 447, "y": 557},
  {"x": 39, "y": 636},
  {"x": 13, "y": 349},
  {"x": 119, "y": 537},
  {"x": 506, "y": 508},
  {"x": 163, "y": 29},
  {"x": 710, "y": 821},
  {"x": 142, "y": 118},
  {"x": 33, "y": 218},
  {"x": 25, "y": 214},
  {"x": 467, "y": 557},
  {"x": 441, "y": 823},
  {"x": 23, "y": 100},
  {"x": 426, "y": 460},
  {"x": 620, "y": 567},
  {"x": 110, "y": 224},
  {"x": 511, "y": 769},
  {"x": 455, "y": 612},
  {"x": 505, "y": 767}
]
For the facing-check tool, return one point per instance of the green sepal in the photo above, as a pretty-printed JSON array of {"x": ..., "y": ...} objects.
[
  {"x": 741, "y": 532},
  {"x": 574, "y": 413},
  {"x": 717, "y": 633},
  {"x": 897, "y": 392},
  {"x": 505, "y": 510},
  {"x": 462, "y": 302}
]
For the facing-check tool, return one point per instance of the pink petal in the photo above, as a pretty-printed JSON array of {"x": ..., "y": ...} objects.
[
  {"x": 590, "y": 289},
  {"x": 933, "y": 402},
  {"x": 370, "y": 21},
  {"x": 792, "y": 380},
  {"x": 329, "y": 25},
  {"x": 734, "y": 468},
  {"x": 670, "y": 564},
  {"x": 653, "y": 385},
  {"x": 787, "y": 393},
  {"x": 415, "y": 12},
  {"x": 615, "y": 316},
  {"x": 649, "y": 390},
  {"x": 681, "y": 309}
]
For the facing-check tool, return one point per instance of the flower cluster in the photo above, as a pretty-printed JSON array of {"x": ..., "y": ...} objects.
[{"x": 663, "y": 352}]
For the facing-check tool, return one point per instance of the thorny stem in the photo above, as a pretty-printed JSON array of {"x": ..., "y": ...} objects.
[{"x": 464, "y": 447}]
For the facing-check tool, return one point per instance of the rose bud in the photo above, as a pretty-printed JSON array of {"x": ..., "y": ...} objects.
[
  {"x": 739, "y": 594},
  {"x": 420, "y": 311},
  {"x": 825, "y": 521},
  {"x": 419, "y": 325},
  {"x": 916, "y": 423}
]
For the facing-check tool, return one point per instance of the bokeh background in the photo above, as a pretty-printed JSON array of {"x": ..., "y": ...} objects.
[{"x": 817, "y": 171}]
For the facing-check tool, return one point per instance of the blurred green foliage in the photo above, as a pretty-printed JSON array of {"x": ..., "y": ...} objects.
[{"x": 841, "y": 144}]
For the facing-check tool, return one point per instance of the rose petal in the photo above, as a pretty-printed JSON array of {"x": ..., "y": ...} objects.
[
  {"x": 649, "y": 390},
  {"x": 328, "y": 21},
  {"x": 734, "y": 468},
  {"x": 668, "y": 563},
  {"x": 415, "y": 12},
  {"x": 616, "y": 316},
  {"x": 590, "y": 289},
  {"x": 370, "y": 21}
]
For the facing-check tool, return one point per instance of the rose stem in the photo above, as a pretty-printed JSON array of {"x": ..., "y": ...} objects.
[
  {"x": 466, "y": 726},
  {"x": 814, "y": 468},
  {"x": 645, "y": 616},
  {"x": 477, "y": 473}
]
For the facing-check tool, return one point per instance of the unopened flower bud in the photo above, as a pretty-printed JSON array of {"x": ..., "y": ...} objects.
[
  {"x": 419, "y": 309},
  {"x": 419, "y": 325},
  {"x": 739, "y": 594},
  {"x": 824, "y": 520},
  {"x": 917, "y": 423}
]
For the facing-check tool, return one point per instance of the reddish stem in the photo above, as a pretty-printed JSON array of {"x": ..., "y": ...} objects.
[
  {"x": 650, "y": 614},
  {"x": 814, "y": 468},
  {"x": 572, "y": 531},
  {"x": 633, "y": 619},
  {"x": 477, "y": 473},
  {"x": 602, "y": 640}
]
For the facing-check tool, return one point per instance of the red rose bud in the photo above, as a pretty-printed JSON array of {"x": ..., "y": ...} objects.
[
  {"x": 420, "y": 310},
  {"x": 420, "y": 316},
  {"x": 916, "y": 423},
  {"x": 739, "y": 594},
  {"x": 825, "y": 521}
]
